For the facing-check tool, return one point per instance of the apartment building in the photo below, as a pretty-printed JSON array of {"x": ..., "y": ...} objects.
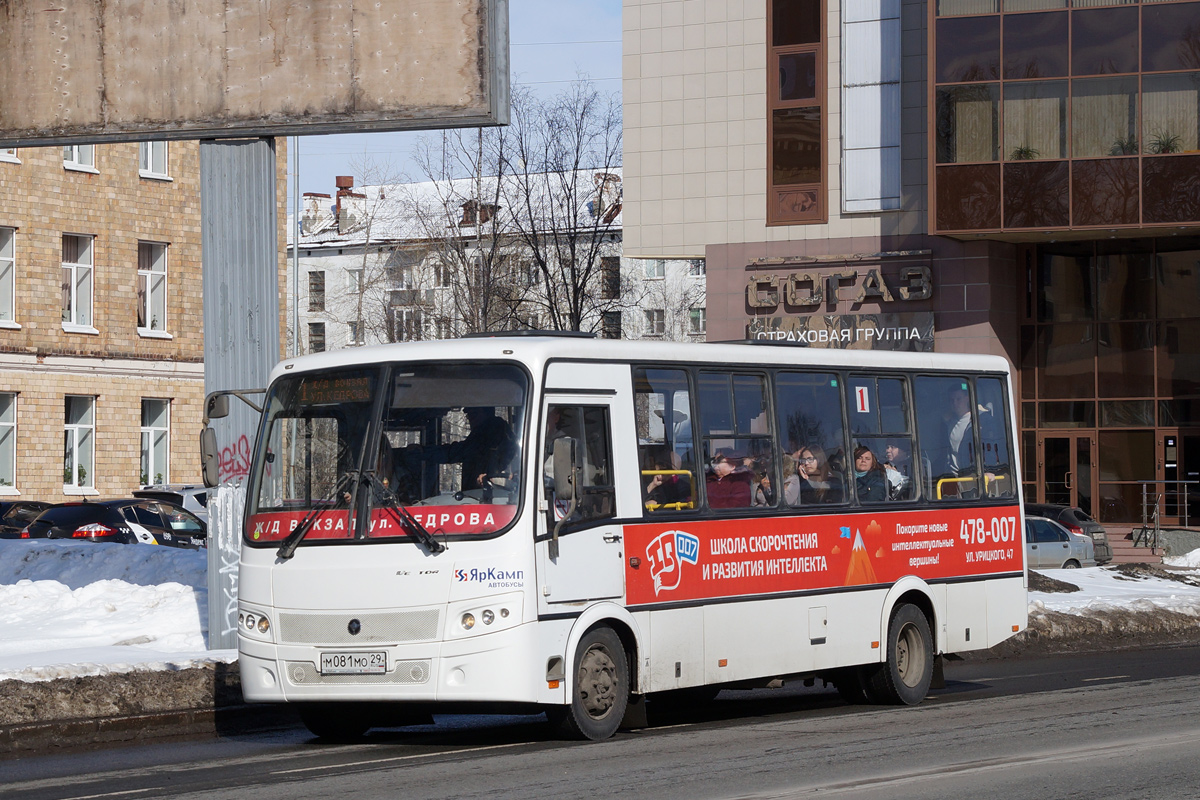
[{"x": 101, "y": 324}]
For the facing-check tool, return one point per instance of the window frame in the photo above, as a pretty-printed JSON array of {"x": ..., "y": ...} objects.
[
  {"x": 72, "y": 438},
  {"x": 316, "y": 332},
  {"x": 314, "y": 306},
  {"x": 148, "y": 452},
  {"x": 8, "y": 274},
  {"x": 819, "y": 212},
  {"x": 74, "y": 160},
  {"x": 146, "y": 161},
  {"x": 8, "y": 439},
  {"x": 8, "y": 155},
  {"x": 655, "y": 320},
  {"x": 145, "y": 296},
  {"x": 73, "y": 267}
]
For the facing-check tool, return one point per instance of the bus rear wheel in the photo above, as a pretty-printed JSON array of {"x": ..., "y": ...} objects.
[
  {"x": 905, "y": 677},
  {"x": 334, "y": 722},
  {"x": 600, "y": 691}
]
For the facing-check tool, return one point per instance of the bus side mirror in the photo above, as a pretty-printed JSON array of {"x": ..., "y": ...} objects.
[
  {"x": 210, "y": 460},
  {"x": 564, "y": 468},
  {"x": 216, "y": 406}
]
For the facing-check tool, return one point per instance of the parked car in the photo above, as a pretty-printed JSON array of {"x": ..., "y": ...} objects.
[
  {"x": 192, "y": 498},
  {"x": 1077, "y": 521},
  {"x": 16, "y": 514},
  {"x": 1048, "y": 545},
  {"x": 129, "y": 521}
]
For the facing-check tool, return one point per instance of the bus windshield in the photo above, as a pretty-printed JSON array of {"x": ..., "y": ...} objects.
[{"x": 443, "y": 444}]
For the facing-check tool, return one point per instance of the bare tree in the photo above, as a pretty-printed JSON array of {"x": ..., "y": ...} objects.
[{"x": 563, "y": 191}]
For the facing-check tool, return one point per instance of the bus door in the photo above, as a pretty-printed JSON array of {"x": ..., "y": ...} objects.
[{"x": 589, "y": 563}]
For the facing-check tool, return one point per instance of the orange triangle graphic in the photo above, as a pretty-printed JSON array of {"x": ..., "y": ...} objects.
[{"x": 860, "y": 571}]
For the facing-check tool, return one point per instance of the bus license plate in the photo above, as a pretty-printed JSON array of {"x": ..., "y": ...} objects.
[{"x": 374, "y": 663}]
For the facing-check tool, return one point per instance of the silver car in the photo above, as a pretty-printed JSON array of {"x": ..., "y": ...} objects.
[{"x": 1048, "y": 545}]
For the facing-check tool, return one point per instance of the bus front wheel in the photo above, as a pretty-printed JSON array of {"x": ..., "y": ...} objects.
[
  {"x": 905, "y": 677},
  {"x": 600, "y": 691}
]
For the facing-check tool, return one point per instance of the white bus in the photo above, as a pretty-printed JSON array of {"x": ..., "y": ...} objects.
[{"x": 557, "y": 523}]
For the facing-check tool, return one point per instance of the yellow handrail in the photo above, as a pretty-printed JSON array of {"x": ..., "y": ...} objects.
[
  {"x": 678, "y": 506},
  {"x": 951, "y": 480}
]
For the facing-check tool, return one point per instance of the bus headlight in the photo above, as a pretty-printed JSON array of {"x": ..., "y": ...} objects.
[
  {"x": 254, "y": 624},
  {"x": 468, "y": 621},
  {"x": 488, "y": 617}
]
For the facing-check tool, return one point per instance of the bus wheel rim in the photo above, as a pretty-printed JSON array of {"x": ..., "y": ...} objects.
[
  {"x": 910, "y": 655},
  {"x": 597, "y": 682}
]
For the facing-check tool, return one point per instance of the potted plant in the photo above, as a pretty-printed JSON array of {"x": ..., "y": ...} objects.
[
  {"x": 1024, "y": 153},
  {"x": 1124, "y": 146},
  {"x": 1163, "y": 142}
]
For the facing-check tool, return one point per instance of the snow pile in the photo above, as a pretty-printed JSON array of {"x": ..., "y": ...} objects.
[
  {"x": 1189, "y": 561},
  {"x": 70, "y": 609}
]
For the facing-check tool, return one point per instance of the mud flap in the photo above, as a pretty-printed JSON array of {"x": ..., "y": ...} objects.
[
  {"x": 939, "y": 676},
  {"x": 635, "y": 712}
]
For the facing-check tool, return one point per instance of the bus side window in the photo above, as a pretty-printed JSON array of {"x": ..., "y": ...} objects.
[
  {"x": 808, "y": 409},
  {"x": 947, "y": 425},
  {"x": 666, "y": 444},
  {"x": 995, "y": 449},
  {"x": 589, "y": 427}
]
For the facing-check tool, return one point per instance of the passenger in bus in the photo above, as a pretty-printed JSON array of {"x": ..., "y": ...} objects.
[
  {"x": 818, "y": 483},
  {"x": 764, "y": 495},
  {"x": 673, "y": 491},
  {"x": 960, "y": 459},
  {"x": 728, "y": 482},
  {"x": 791, "y": 481},
  {"x": 870, "y": 478},
  {"x": 899, "y": 468}
]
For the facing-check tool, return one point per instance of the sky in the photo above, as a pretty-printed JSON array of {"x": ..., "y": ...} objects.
[
  {"x": 551, "y": 42},
  {"x": 70, "y": 609}
]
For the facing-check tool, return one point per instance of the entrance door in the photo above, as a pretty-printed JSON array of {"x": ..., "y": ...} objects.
[
  {"x": 1068, "y": 473},
  {"x": 1180, "y": 459}
]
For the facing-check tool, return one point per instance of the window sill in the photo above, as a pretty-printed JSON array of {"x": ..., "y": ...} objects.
[
  {"x": 154, "y": 176},
  {"x": 150, "y": 333},
  {"x": 10, "y": 325},
  {"x": 81, "y": 168},
  {"x": 9, "y": 491},
  {"x": 80, "y": 491},
  {"x": 72, "y": 328},
  {"x": 10, "y": 160}
]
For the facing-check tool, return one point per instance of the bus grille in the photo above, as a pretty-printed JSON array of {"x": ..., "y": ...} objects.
[
  {"x": 398, "y": 626},
  {"x": 306, "y": 673}
]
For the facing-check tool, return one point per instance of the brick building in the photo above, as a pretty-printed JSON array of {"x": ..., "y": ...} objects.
[{"x": 101, "y": 324}]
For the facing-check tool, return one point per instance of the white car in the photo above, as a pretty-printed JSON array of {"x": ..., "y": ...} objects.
[
  {"x": 1048, "y": 545},
  {"x": 192, "y": 498}
]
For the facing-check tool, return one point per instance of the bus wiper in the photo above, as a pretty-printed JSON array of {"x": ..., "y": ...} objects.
[
  {"x": 402, "y": 516},
  {"x": 288, "y": 547}
]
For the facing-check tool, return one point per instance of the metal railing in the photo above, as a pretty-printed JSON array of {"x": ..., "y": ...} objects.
[{"x": 1154, "y": 504}]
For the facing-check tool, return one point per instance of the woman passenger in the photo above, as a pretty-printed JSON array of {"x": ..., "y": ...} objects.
[
  {"x": 870, "y": 478},
  {"x": 818, "y": 483}
]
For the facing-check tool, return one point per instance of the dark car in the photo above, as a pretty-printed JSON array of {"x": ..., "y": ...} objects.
[
  {"x": 129, "y": 521},
  {"x": 16, "y": 514},
  {"x": 1076, "y": 521},
  {"x": 190, "y": 497}
]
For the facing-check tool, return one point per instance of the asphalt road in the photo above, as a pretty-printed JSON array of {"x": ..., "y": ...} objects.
[{"x": 1111, "y": 725}]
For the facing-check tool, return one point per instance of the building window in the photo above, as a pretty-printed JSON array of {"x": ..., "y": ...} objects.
[
  {"x": 77, "y": 283},
  {"x": 8, "y": 440},
  {"x": 355, "y": 332},
  {"x": 611, "y": 327},
  {"x": 152, "y": 160},
  {"x": 156, "y": 427},
  {"x": 80, "y": 156},
  {"x": 316, "y": 337},
  {"x": 697, "y": 268},
  {"x": 409, "y": 325},
  {"x": 444, "y": 273},
  {"x": 354, "y": 281},
  {"x": 610, "y": 277},
  {"x": 655, "y": 268},
  {"x": 699, "y": 320},
  {"x": 79, "y": 442},
  {"x": 152, "y": 287},
  {"x": 796, "y": 114},
  {"x": 9, "y": 154},
  {"x": 445, "y": 328},
  {"x": 316, "y": 291},
  {"x": 656, "y": 322},
  {"x": 8, "y": 276}
]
